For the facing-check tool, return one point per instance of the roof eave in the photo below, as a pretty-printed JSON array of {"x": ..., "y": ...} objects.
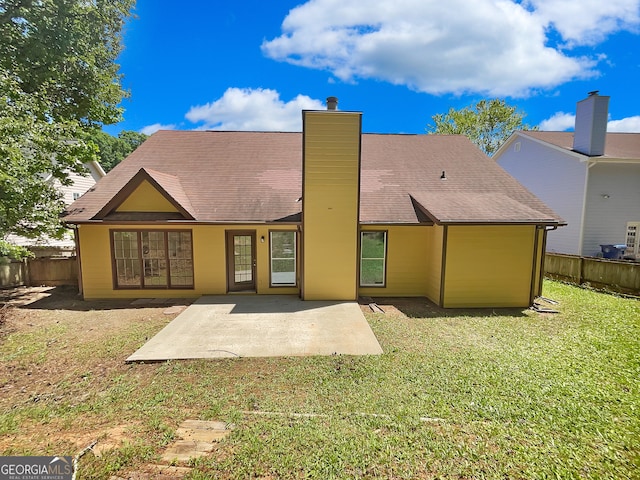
[
  {"x": 606, "y": 159},
  {"x": 577, "y": 155},
  {"x": 501, "y": 222}
]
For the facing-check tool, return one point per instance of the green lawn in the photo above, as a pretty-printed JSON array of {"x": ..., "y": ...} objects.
[{"x": 465, "y": 394}]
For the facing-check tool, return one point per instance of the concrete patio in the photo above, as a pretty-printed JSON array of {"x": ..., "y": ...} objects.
[{"x": 261, "y": 326}]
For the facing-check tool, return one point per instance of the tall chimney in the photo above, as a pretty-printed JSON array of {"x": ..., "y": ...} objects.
[
  {"x": 332, "y": 103},
  {"x": 591, "y": 124}
]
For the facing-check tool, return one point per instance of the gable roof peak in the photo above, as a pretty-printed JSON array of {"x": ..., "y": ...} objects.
[{"x": 167, "y": 185}]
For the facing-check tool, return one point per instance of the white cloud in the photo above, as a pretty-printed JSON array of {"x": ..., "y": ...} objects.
[
  {"x": 629, "y": 124},
  {"x": 559, "y": 121},
  {"x": 253, "y": 110},
  {"x": 151, "y": 129},
  {"x": 492, "y": 47},
  {"x": 587, "y": 22}
]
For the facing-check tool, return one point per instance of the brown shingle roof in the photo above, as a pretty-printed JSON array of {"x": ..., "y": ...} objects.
[
  {"x": 256, "y": 176},
  {"x": 396, "y": 167},
  {"x": 625, "y": 146},
  {"x": 464, "y": 207}
]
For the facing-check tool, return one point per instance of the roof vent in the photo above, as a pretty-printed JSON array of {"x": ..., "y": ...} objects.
[{"x": 332, "y": 103}]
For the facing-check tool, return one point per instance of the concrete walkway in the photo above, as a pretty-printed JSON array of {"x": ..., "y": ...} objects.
[{"x": 261, "y": 326}]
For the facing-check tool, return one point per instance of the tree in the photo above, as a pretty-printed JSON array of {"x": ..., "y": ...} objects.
[
  {"x": 58, "y": 80},
  {"x": 112, "y": 150},
  {"x": 488, "y": 124}
]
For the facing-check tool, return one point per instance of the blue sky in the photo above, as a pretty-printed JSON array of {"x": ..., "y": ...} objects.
[{"x": 255, "y": 64}]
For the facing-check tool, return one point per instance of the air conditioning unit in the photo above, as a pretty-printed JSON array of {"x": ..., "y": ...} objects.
[{"x": 633, "y": 241}]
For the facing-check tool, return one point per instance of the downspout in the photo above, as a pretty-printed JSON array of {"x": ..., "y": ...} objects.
[
  {"x": 443, "y": 266},
  {"x": 543, "y": 257},
  {"x": 532, "y": 291},
  {"x": 537, "y": 247},
  {"x": 300, "y": 260},
  {"x": 76, "y": 240}
]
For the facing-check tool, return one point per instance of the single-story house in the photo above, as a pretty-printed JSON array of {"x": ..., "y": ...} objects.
[
  {"x": 329, "y": 213},
  {"x": 589, "y": 176}
]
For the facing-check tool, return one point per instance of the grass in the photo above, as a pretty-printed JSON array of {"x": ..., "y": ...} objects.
[{"x": 465, "y": 394}]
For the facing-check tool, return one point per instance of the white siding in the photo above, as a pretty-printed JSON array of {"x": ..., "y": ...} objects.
[
  {"x": 558, "y": 179},
  {"x": 80, "y": 185},
  {"x": 606, "y": 218}
]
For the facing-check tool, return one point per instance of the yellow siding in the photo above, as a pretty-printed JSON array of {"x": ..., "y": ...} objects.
[
  {"x": 489, "y": 266},
  {"x": 408, "y": 264},
  {"x": 331, "y": 190},
  {"x": 209, "y": 257},
  {"x": 95, "y": 259},
  {"x": 146, "y": 198}
]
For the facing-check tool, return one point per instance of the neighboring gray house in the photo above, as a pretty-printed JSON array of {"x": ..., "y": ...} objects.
[
  {"x": 589, "y": 177},
  {"x": 46, "y": 246}
]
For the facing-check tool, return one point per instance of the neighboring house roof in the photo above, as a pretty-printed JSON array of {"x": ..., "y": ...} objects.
[
  {"x": 621, "y": 146},
  {"x": 257, "y": 176}
]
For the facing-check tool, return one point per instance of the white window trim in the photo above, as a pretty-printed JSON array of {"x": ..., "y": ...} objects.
[
  {"x": 384, "y": 260},
  {"x": 295, "y": 259}
]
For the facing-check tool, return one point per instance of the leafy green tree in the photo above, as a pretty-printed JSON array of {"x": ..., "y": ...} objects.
[
  {"x": 112, "y": 150},
  {"x": 33, "y": 152},
  {"x": 58, "y": 80},
  {"x": 488, "y": 123}
]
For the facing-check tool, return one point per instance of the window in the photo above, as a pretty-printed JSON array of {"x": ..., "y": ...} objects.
[
  {"x": 76, "y": 195},
  {"x": 152, "y": 259},
  {"x": 373, "y": 252},
  {"x": 633, "y": 240},
  {"x": 283, "y": 258}
]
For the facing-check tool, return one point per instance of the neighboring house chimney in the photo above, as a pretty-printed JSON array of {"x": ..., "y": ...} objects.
[
  {"x": 332, "y": 103},
  {"x": 591, "y": 125}
]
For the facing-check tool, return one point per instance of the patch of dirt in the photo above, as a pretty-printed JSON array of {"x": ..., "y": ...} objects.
[
  {"x": 46, "y": 360},
  {"x": 107, "y": 438},
  {"x": 401, "y": 307}
]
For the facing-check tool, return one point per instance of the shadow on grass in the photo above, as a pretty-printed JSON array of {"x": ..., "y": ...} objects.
[
  {"x": 66, "y": 297},
  {"x": 422, "y": 307}
]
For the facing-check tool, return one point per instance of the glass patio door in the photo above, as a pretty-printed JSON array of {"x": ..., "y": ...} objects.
[{"x": 241, "y": 260}]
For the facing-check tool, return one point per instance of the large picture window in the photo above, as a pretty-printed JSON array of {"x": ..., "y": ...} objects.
[
  {"x": 283, "y": 258},
  {"x": 152, "y": 259},
  {"x": 373, "y": 252}
]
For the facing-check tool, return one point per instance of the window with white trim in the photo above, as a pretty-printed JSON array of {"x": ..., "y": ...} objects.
[
  {"x": 633, "y": 240},
  {"x": 282, "y": 246},
  {"x": 373, "y": 258}
]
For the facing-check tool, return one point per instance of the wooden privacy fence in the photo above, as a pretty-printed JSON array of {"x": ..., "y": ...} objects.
[
  {"x": 51, "y": 271},
  {"x": 619, "y": 276},
  {"x": 12, "y": 273}
]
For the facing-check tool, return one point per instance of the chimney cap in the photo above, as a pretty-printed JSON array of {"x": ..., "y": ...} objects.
[{"x": 332, "y": 103}]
